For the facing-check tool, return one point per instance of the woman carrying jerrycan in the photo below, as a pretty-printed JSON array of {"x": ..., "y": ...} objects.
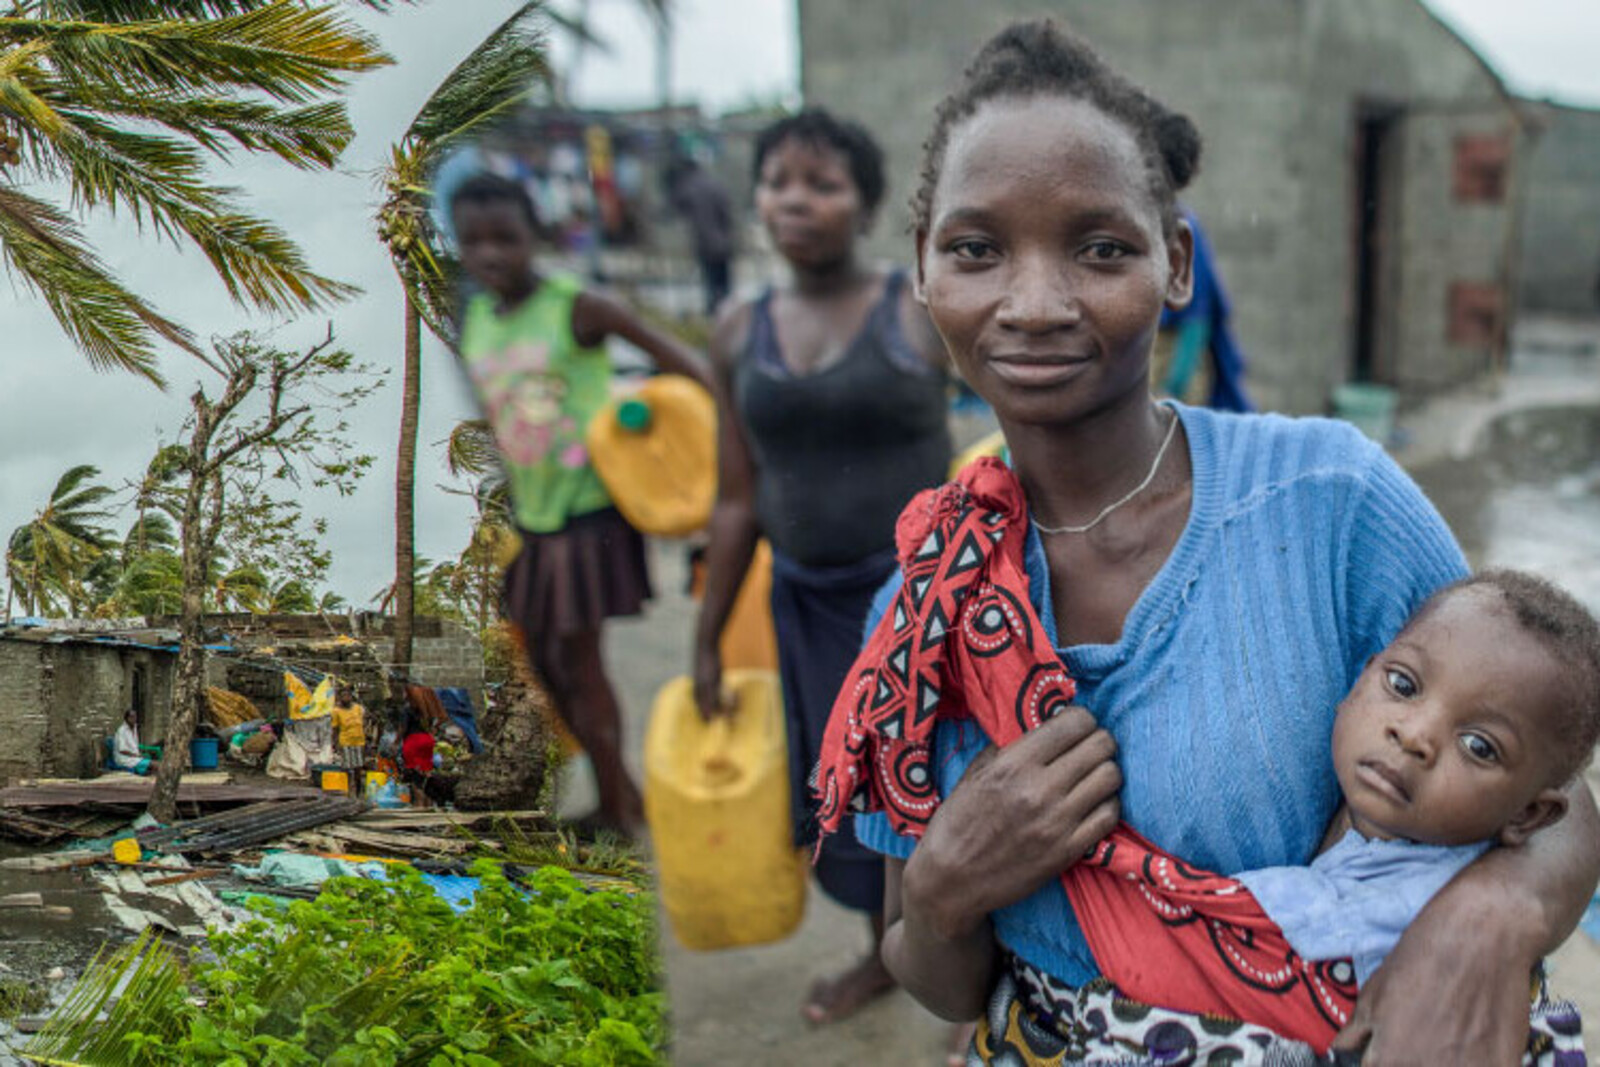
[
  {"x": 533, "y": 345},
  {"x": 831, "y": 394}
]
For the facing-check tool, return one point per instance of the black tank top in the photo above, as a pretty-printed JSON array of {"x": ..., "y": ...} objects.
[{"x": 838, "y": 453}]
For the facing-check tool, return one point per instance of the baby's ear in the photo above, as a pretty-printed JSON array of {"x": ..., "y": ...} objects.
[{"x": 1543, "y": 810}]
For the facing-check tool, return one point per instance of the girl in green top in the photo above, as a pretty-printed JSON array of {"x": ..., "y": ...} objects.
[{"x": 533, "y": 347}]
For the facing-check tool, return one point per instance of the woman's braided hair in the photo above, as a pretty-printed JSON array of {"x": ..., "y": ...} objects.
[{"x": 1037, "y": 58}]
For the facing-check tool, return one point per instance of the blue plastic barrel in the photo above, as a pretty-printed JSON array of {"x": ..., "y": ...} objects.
[{"x": 203, "y": 753}]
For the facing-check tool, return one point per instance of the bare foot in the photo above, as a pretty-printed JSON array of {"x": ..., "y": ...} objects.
[
  {"x": 846, "y": 993},
  {"x": 960, "y": 1039}
]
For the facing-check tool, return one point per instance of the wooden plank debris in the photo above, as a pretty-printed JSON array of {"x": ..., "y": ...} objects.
[
  {"x": 526, "y": 825},
  {"x": 397, "y": 844}
]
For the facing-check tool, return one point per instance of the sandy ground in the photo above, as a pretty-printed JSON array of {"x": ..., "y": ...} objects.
[{"x": 743, "y": 1006}]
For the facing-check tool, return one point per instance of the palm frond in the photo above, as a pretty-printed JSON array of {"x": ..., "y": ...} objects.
[
  {"x": 310, "y": 136},
  {"x": 153, "y": 531},
  {"x": 156, "y": 179},
  {"x": 138, "y": 10},
  {"x": 134, "y": 991},
  {"x": 471, "y": 448},
  {"x": 45, "y": 249},
  {"x": 283, "y": 49},
  {"x": 494, "y": 77}
]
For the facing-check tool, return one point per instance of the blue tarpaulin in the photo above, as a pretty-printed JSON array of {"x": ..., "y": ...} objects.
[
  {"x": 456, "y": 889},
  {"x": 458, "y": 706}
]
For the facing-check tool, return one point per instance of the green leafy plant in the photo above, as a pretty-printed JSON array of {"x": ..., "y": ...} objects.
[{"x": 374, "y": 974}]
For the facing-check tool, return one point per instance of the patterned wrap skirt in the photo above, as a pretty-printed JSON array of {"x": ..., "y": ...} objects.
[
  {"x": 572, "y": 580},
  {"x": 1034, "y": 1021}
]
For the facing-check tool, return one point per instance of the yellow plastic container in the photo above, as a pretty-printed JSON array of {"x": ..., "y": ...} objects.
[
  {"x": 748, "y": 639},
  {"x": 336, "y": 781},
  {"x": 992, "y": 444},
  {"x": 126, "y": 850},
  {"x": 717, "y": 797},
  {"x": 375, "y": 781},
  {"x": 656, "y": 452}
]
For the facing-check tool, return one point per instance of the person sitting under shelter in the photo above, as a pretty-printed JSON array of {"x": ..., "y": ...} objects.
[{"x": 125, "y": 752}]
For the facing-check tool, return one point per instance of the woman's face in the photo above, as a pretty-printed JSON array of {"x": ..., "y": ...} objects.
[
  {"x": 1044, "y": 266},
  {"x": 496, "y": 245},
  {"x": 809, "y": 203}
]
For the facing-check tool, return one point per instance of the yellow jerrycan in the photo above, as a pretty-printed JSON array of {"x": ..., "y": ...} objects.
[
  {"x": 748, "y": 639},
  {"x": 717, "y": 798},
  {"x": 656, "y": 452},
  {"x": 993, "y": 444}
]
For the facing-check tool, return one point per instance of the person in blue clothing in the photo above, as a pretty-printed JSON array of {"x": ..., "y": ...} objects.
[
  {"x": 1213, "y": 582},
  {"x": 1197, "y": 359}
]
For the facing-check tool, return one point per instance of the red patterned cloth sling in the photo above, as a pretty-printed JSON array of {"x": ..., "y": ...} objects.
[{"x": 961, "y": 640}]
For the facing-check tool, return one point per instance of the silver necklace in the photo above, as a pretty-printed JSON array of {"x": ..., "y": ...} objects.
[{"x": 1109, "y": 508}]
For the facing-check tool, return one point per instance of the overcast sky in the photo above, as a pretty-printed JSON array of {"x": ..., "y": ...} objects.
[{"x": 56, "y": 412}]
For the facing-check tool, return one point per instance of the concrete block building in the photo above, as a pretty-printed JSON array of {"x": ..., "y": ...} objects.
[
  {"x": 1361, "y": 183},
  {"x": 65, "y": 683},
  {"x": 1561, "y": 224}
]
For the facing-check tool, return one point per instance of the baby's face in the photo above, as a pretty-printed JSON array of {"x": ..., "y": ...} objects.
[{"x": 1447, "y": 736}]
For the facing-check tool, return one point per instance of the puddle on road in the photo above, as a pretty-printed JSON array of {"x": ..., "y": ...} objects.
[
  {"x": 1529, "y": 497},
  {"x": 33, "y": 945}
]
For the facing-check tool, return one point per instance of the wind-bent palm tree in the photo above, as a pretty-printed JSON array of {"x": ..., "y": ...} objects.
[
  {"x": 48, "y": 557},
  {"x": 124, "y": 101},
  {"x": 493, "y": 79}
]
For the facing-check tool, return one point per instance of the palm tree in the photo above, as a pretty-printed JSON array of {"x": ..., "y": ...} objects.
[
  {"x": 496, "y": 76},
  {"x": 125, "y": 101},
  {"x": 242, "y": 588},
  {"x": 48, "y": 557},
  {"x": 152, "y": 584}
]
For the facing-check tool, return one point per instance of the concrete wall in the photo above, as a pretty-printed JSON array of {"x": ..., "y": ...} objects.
[
  {"x": 1273, "y": 85},
  {"x": 91, "y": 688},
  {"x": 443, "y": 653},
  {"x": 1561, "y": 224},
  {"x": 59, "y": 702}
]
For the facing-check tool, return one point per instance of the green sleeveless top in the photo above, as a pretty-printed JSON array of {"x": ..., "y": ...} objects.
[{"x": 539, "y": 389}]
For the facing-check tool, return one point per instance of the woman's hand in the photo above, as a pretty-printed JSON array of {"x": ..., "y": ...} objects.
[
  {"x": 1019, "y": 817},
  {"x": 708, "y": 683}
]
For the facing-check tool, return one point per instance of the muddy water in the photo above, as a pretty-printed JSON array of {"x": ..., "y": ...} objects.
[
  {"x": 1529, "y": 496},
  {"x": 35, "y": 946}
]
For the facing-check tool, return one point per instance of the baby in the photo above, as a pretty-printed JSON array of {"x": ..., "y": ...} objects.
[{"x": 1459, "y": 736}]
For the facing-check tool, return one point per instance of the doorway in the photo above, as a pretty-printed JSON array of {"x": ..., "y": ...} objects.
[{"x": 1375, "y": 215}]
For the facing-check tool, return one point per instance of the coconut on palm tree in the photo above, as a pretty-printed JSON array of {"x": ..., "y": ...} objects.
[{"x": 125, "y": 103}]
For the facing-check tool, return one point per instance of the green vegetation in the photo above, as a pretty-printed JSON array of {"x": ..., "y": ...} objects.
[
  {"x": 373, "y": 974},
  {"x": 19, "y": 996}
]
